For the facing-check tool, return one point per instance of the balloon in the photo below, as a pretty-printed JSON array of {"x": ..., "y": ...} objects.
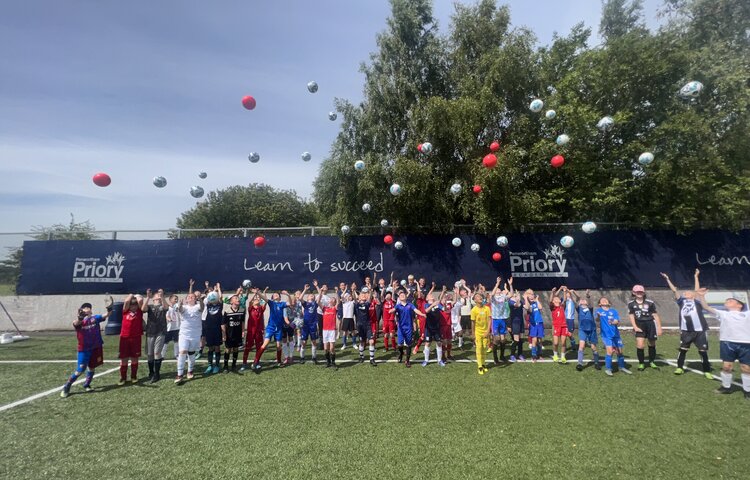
[
  {"x": 102, "y": 180},
  {"x": 345, "y": 229},
  {"x": 550, "y": 114},
  {"x": 196, "y": 191},
  {"x": 496, "y": 256},
  {"x": 395, "y": 189},
  {"x": 247, "y": 284},
  {"x": 160, "y": 182},
  {"x": 359, "y": 165},
  {"x": 474, "y": 247},
  {"x": 388, "y": 239},
  {"x": 646, "y": 158},
  {"x": 253, "y": 157},
  {"x": 557, "y": 161},
  {"x": 248, "y": 102},
  {"x": 562, "y": 140},
  {"x": 567, "y": 241},
  {"x": 312, "y": 87},
  {"x": 306, "y": 156},
  {"x": 212, "y": 297},
  {"x": 477, "y": 189},
  {"x": 384, "y": 223},
  {"x": 366, "y": 208},
  {"x": 494, "y": 146},
  {"x": 259, "y": 241},
  {"x": 202, "y": 175},
  {"x": 605, "y": 124},
  {"x": 502, "y": 241},
  {"x": 403, "y": 282},
  {"x": 398, "y": 245},
  {"x": 691, "y": 89},
  {"x": 456, "y": 188},
  {"x": 490, "y": 160},
  {"x": 426, "y": 148},
  {"x": 588, "y": 227},
  {"x": 456, "y": 242},
  {"x": 536, "y": 105},
  {"x": 419, "y": 147},
  {"x": 332, "y": 116}
]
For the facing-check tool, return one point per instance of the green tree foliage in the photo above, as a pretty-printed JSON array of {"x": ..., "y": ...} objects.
[
  {"x": 255, "y": 205},
  {"x": 463, "y": 90}
]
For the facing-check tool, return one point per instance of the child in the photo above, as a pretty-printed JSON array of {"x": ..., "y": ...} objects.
[
  {"x": 173, "y": 327},
  {"x": 421, "y": 306},
  {"x": 346, "y": 303},
  {"x": 693, "y": 326},
  {"x": 309, "y": 321},
  {"x": 586, "y": 330},
  {"x": 500, "y": 311},
  {"x": 130, "y": 337},
  {"x": 329, "y": 331},
  {"x": 456, "y": 317},
  {"x": 255, "y": 326},
  {"x": 213, "y": 335},
  {"x": 517, "y": 323},
  {"x": 536, "y": 323},
  {"x": 570, "y": 314},
  {"x": 405, "y": 312},
  {"x": 277, "y": 318},
  {"x": 90, "y": 354},
  {"x": 191, "y": 326},
  {"x": 646, "y": 325},
  {"x": 466, "y": 323},
  {"x": 156, "y": 331},
  {"x": 364, "y": 331},
  {"x": 609, "y": 320},
  {"x": 560, "y": 332},
  {"x": 290, "y": 331},
  {"x": 232, "y": 331},
  {"x": 480, "y": 318},
  {"x": 434, "y": 316},
  {"x": 389, "y": 321},
  {"x": 446, "y": 328}
]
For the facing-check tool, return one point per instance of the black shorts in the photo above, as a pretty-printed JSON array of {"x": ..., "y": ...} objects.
[
  {"x": 172, "y": 336},
  {"x": 347, "y": 324},
  {"x": 465, "y": 322},
  {"x": 696, "y": 338},
  {"x": 432, "y": 334},
  {"x": 364, "y": 331},
  {"x": 213, "y": 335},
  {"x": 235, "y": 342},
  {"x": 648, "y": 330},
  {"x": 287, "y": 332}
]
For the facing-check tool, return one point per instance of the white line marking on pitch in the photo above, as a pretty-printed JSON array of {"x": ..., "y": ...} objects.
[
  {"x": 345, "y": 360},
  {"x": 674, "y": 364},
  {"x": 51, "y": 391}
]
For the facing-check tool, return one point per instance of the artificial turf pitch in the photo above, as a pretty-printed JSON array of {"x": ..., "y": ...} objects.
[{"x": 304, "y": 421}]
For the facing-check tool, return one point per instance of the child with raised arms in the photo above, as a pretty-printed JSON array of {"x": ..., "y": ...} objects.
[
  {"x": 586, "y": 329},
  {"x": 609, "y": 321},
  {"x": 90, "y": 353},
  {"x": 233, "y": 329}
]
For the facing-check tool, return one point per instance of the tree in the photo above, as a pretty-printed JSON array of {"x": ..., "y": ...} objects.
[
  {"x": 463, "y": 90},
  {"x": 256, "y": 205}
]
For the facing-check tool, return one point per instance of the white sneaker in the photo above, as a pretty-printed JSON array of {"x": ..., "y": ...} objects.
[{"x": 343, "y": 348}]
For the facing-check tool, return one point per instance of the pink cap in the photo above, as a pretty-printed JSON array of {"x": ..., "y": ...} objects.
[{"x": 638, "y": 288}]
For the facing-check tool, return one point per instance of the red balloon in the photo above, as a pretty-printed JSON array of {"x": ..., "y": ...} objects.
[
  {"x": 477, "y": 189},
  {"x": 557, "y": 161},
  {"x": 102, "y": 180},
  {"x": 419, "y": 147},
  {"x": 248, "y": 102},
  {"x": 494, "y": 146},
  {"x": 490, "y": 160},
  {"x": 259, "y": 241},
  {"x": 496, "y": 256},
  {"x": 388, "y": 239}
]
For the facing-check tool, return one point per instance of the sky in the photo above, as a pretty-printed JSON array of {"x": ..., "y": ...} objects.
[{"x": 141, "y": 89}]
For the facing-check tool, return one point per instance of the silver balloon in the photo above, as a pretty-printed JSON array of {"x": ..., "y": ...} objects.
[
  {"x": 253, "y": 157},
  {"x": 306, "y": 156},
  {"x": 202, "y": 175},
  {"x": 196, "y": 191},
  {"x": 160, "y": 182},
  {"x": 398, "y": 245},
  {"x": 605, "y": 124},
  {"x": 384, "y": 223},
  {"x": 366, "y": 208},
  {"x": 332, "y": 116},
  {"x": 312, "y": 87},
  {"x": 550, "y": 114},
  {"x": 426, "y": 148},
  {"x": 474, "y": 247},
  {"x": 691, "y": 89},
  {"x": 456, "y": 188},
  {"x": 345, "y": 229},
  {"x": 247, "y": 284}
]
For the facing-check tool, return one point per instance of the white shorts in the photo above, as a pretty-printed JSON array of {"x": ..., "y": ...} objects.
[
  {"x": 329, "y": 336},
  {"x": 189, "y": 344}
]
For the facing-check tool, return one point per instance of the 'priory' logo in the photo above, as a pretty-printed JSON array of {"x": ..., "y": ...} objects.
[
  {"x": 531, "y": 264},
  {"x": 91, "y": 270}
]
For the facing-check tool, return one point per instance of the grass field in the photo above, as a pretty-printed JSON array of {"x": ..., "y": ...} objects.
[
  {"x": 7, "y": 289},
  {"x": 518, "y": 421}
]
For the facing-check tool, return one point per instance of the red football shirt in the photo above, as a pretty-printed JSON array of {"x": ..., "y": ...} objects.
[
  {"x": 329, "y": 318},
  {"x": 558, "y": 315},
  {"x": 387, "y": 315},
  {"x": 255, "y": 317},
  {"x": 132, "y": 324}
]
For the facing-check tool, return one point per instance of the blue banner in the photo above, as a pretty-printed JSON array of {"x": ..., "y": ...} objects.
[{"x": 608, "y": 259}]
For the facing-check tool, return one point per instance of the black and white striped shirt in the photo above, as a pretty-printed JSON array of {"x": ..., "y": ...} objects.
[{"x": 691, "y": 316}]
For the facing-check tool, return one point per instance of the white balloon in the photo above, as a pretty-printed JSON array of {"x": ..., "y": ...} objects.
[
  {"x": 605, "y": 124},
  {"x": 536, "y": 105},
  {"x": 359, "y": 165},
  {"x": 398, "y": 245},
  {"x": 456, "y": 242},
  {"x": 456, "y": 188},
  {"x": 247, "y": 284},
  {"x": 691, "y": 89},
  {"x": 550, "y": 114},
  {"x": 384, "y": 223},
  {"x": 646, "y": 158},
  {"x": 567, "y": 241},
  {"x": 312, "y": 87},
  {"x": 160, "y": 182},
  {"x": 202, "y": 175},
  {"x": 474, "y": 247},
  {"x": 306, "y": 156},
  {"x": 212, "y": 297},
  {"x": 403, "y": 282},
  {"x": 345, "y": 229},
  {"x": 395, "y": 189},
  {"x": 253, "y": 157},
  {"x": 196, "y": 191},
  {"x": 366, "y": 208},
  {"x": 502, "y": 241},
  {"x": 562, "y": 140},
  {"x": 426, "y": 148},
  {"x": 588, "y": 227},
  {"x": 332, "y": 116}
]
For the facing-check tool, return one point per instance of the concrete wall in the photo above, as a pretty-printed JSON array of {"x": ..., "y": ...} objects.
[{"x": 57, "y": 312}]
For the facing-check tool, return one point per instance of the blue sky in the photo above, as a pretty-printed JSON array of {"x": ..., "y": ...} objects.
[{"x": 140, "y": 89}]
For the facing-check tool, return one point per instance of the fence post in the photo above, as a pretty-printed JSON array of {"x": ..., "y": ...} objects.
[
  {"x": 114, "y": 235},
  {"x": 49, "y": 235},
  {"x": 244, "y": 232},
  {"x": 179, "y": 233},
  {"x": 312, "y": 231}
]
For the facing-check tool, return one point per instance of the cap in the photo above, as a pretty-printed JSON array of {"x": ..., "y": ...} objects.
[
  {"x": 638, "y": 288},
  {"x": 742, "y": 304},
  {"x": 86, "y": 305}
]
